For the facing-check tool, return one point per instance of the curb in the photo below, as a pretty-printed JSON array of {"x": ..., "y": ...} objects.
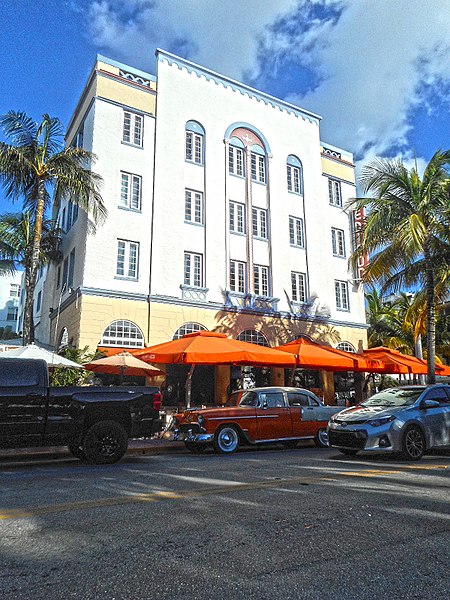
[{"x": 136, "y": 447}]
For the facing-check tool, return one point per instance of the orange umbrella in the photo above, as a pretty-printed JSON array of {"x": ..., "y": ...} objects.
[
  {"x": 122, "y": 364},
  {"x": 315, "y": 356},
  {"x": 396, "y": 362},
  {"x": 210, "y": 348}
]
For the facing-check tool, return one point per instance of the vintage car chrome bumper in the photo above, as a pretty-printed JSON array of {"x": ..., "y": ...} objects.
[{"x": 192, "y": 436}]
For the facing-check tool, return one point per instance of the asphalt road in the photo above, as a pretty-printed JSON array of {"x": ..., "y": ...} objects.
[{"x": 264, "y": 524}]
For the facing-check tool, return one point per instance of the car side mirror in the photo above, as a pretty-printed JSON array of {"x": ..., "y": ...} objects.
[
  {"x": 429, "y": 403},
  {"x": 264, "y": 404}
]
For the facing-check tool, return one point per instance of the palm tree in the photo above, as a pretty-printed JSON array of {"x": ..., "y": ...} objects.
[
  {"x": 382, "y": 319},
  {"x": 16, "y": 235},
  {"x": 407, "y": 232},
  {"x": 33, "y": 165}
]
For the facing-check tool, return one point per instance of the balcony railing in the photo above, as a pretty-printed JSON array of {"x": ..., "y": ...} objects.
[
  {"x": 194, "y": 294},
  {"x": 251, "y": 302}
]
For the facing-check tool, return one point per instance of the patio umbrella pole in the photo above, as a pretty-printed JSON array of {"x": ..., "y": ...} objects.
[{"x": 189, "y": 386}]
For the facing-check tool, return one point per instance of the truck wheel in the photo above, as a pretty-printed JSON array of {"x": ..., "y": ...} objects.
[
  {"x": 413, "y": 443},
  {"x": 321, "y": 438},
  {"x": 226, "y": 440},
  {"x": 105, "y": 443},
  {"x": 76, "y": 451}
]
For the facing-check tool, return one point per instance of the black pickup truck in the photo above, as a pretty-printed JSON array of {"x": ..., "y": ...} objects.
[{"x": 94, "y": 422}]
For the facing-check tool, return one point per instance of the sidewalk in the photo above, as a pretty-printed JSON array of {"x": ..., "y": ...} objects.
[{"x": 135, "y": 447}]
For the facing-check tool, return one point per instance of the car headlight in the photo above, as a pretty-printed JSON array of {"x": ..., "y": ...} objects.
[
  {"x": 200, "y": 420},
  {"x": 334, "y": 419},
  {"x": 381, "y": 421}
]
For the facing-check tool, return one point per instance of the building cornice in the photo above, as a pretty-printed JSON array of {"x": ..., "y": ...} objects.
[{"x": 236, "y": 86}]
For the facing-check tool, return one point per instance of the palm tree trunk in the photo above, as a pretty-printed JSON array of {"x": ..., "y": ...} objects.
[
  {"x": 431, "y": 318},
  {"x": 28, "y": 324},
  {"x": 419, "y": 354}
]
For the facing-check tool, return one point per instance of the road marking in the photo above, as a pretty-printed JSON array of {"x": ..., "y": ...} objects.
[{"x": 184, "y": 495}]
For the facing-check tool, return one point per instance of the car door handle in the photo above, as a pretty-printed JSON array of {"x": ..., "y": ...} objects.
[{"x": 34, "y": 395}]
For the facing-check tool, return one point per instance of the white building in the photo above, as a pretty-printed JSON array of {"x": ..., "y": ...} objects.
[
  {"x": 9, "y": 302},
  {"x": 226, "y": 212}
]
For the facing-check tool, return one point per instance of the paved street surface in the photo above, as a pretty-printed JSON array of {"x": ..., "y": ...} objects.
[{"x": 265, "y": 524}]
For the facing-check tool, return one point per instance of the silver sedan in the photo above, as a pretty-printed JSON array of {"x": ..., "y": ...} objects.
[{"x": 407, "y": 419}]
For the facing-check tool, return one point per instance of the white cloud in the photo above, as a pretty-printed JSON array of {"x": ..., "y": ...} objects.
[
  {"x": 375, "y": 61},
  {"x": 372, "y": 64},
  {"x": 222, "y": 36}
]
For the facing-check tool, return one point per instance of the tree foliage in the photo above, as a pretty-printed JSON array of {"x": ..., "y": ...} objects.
[
  {"x": 407, "y": 232},
  {"x": 36, "y": 167}
]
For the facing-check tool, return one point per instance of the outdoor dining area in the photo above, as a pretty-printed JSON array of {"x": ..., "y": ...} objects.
[{"x": 204, "y": 367}]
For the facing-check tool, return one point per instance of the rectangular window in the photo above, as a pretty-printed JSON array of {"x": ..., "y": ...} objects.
[
  {"x": 65, "y": 272},
  {"x": 193, "y": 206},
  {"x": 341, "y": 292},
  {"x": 12, "y": 313},
  {"x": 194, "y": 147},
  {"x": 236, "y": 161},
  {"x": 258, "y": 168},
  {"x": 298, "y": 281},
  {"x": 261, "y": 280},
  {"x": 58, "y": 278},
  {"x": 130, "y": 191},
  {"x": 296, "y": 232},
  {"x": 14, "y": 290},
  {"x": 338, "y": 242},
  {"x": 293, "y": 179},
  {"x": 38, "y": 302},
  {"x": 237, "y": 276},
  {"x": 132, "y": 128},
  {"x": 71, "y": 269},
  {"x": 193, "y": 270},
  {"x": 63, "y": 220},
  {"x": 237, "y": 217},
  {"x": 334, "y": 192},
  {"x": 127, "y": 259},
  {"x": 259, "y": 223}
]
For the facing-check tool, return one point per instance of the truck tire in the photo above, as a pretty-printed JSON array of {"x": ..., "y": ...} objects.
[
  {"x": 76, "y": 451},
  {"x": 105, "y": 442}
]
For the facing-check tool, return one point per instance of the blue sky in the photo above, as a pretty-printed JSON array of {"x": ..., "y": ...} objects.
[{"x": 377, "y": 71}]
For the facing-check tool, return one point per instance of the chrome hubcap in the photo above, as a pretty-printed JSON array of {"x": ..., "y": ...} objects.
[
  {"x": 323, "y": 437},
  {"x": 228, "y": 439},
  {"x": 414, "y": 443}
]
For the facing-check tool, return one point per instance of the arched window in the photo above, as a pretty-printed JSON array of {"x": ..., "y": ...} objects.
[
  {"x": 236, "y": 162},
  {"x": 258, "y": 157},
  {"x": 346, "y": 346},
  {"x": 122, "y": 333},
  {"x": 294, "y": 175},
  {"x": 253, "y": 337},
  {"x": 187, "y": 328},
  {"x": 63, "y": 338},
  {"x": 195, "y": 143}
]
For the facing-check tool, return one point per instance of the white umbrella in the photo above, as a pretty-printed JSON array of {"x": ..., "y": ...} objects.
[{"x": 33, "y": 351}]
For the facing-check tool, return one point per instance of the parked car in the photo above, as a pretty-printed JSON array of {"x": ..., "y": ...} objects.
[
  {"x": 271, "y": 414},
  {"x": 94, "y": 422},
  {"x": 406, "y": 419}
]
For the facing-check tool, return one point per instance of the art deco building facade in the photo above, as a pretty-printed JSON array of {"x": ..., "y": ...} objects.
[{"x": 225, "y": 212}]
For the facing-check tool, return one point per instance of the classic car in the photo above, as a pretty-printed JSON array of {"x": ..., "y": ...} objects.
[
  {"x": 254, "y": 416},
  {"x": 409, "y": 420}
]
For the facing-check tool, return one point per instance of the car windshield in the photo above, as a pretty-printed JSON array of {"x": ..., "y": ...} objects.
[{"x": 394, "y": 397}]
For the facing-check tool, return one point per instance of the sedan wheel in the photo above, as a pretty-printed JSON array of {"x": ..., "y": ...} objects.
[
  {"x": 321, "y": 439},
  {"x": 226, "y": 440},
  {"x": 413, "y": 443}
]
